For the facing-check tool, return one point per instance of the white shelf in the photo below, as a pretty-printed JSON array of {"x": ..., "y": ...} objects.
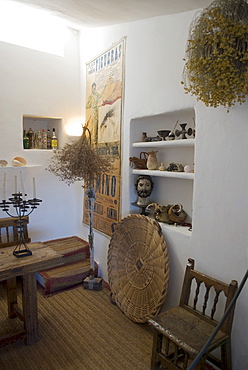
[
  {"x": 176, "y": 229},
  {"x": 175, "y": 175},
  {"x": 21, "y": 167},
  {"x": 164, "y": 143},
  {"x": 169, "y": 187}
]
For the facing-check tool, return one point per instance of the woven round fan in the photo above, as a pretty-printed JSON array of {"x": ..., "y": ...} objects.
[{"x": 138, "y": 267}]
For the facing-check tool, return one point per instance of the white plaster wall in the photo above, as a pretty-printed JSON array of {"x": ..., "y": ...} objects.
[
  {"x": 40, "y": 84},
  {"x": 154, "y": 52}
]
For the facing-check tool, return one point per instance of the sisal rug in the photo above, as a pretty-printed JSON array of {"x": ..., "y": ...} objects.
[
  {"x": 79, "y": 329},
  {"x": 76, "y": 255}
]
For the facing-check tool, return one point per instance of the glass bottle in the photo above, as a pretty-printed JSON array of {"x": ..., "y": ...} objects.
[
  {"x": 44, "y": 139},
  {"x": 25, "y": 140},
  {"x": 54, "y": 140},
  {"x": 49, "y": 139},
  {"x": 30, "y": 135},
  {"x": 39, "y": 140}
]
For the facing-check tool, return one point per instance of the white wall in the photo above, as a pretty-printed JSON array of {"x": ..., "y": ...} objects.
[
  {"x": 154, "y": 52},
  {"x": 40, "y": 84}
]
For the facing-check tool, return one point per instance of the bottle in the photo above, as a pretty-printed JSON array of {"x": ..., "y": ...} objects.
[
  {"x": 39, "y": 140},
  {"x": 54, "y": 140},
  {"x": 25, "y": 140},
  {"x": 30, "y": 135},
  {"x": 35, "y": 141},
  {"x": 49, "y": 139},
  {"x": 44, "y": 139}
]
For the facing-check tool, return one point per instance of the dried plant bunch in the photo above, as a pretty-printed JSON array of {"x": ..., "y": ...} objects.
[
  {"x": 79, "y": 161},
  {"x": 216, "y": 63}
]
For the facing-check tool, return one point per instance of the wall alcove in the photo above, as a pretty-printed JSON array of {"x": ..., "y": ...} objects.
[{"x": 169, "y": 187}]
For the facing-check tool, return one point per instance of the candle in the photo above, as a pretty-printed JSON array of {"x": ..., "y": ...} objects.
[
  {"x": 15, "y": 191},
  {"x": 4, "y": 186},
  {"x": 22, "y": 186},
  {"x": 34, "y": 189}
]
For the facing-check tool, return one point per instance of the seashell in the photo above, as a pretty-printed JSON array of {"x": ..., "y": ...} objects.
[
  {"x": 188, "y": 168},
  {"x": 3, "y": 163},
  {"x": 18, "y": 162}
]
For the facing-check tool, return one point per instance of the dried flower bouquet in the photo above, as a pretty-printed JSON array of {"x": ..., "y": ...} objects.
[
  {"x": 216, "y": 63},
  {"x": 80, "y": 161}
]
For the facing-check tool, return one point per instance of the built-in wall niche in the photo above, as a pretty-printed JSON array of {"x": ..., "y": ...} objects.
[
  {"x": 164, "y": 121},
  {"x": 37, "y": 124},
  {"x": 169, "y": 187}
]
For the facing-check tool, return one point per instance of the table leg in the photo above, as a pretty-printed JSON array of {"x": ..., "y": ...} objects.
[
  {"x": 11, "y": 296},
  {"x": 30, "y": 311}
]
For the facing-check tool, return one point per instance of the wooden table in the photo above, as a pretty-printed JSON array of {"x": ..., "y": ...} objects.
[{"x": 10, "y": 267}]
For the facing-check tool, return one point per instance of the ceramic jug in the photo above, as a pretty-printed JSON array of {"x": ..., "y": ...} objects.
[{"x": 152, "y": 162}]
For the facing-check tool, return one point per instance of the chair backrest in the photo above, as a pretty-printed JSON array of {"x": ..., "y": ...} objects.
[
  {"x": 9, "y": 231},
  {"x": 207, "y": 297}
]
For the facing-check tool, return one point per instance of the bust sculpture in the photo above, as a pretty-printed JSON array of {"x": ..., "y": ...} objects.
[{"x": 144, "y": 186}]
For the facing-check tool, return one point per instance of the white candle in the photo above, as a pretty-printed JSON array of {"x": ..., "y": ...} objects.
[
  {"x": 34, "y": 189},
  {"x": 22, "y": 186},
  {"x": 15, "y": 191},
  {"x": 4, "y": 186}
]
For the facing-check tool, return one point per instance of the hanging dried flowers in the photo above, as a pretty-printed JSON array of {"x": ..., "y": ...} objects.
[
  {"x": 216, "y": 63},
  {"x": 78, "y": 161}
]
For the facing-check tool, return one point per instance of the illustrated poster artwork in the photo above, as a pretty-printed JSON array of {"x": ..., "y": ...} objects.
[{"x": 104, "y": 99}]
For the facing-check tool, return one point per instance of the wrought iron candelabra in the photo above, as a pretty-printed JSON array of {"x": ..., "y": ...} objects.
[{"x": 21, "y": 208}]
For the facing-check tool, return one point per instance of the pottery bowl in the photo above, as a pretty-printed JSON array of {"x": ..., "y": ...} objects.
[{"x": 163, "y": 133}]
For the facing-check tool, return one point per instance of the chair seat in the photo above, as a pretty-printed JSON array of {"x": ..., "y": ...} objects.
[{"x": 186, "y": 330}]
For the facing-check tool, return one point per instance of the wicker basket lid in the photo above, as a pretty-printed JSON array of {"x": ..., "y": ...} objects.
[{"x": 138, "y": 267}]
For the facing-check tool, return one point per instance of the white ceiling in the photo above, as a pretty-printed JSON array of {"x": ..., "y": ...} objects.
[{"x": 95, "y": 13}]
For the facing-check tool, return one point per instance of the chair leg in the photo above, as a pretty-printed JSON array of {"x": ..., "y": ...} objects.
[
  {"x": 201, "y": 364},
  {"x": 226, "y": 355},
  {"x": 156, "y": 348}
]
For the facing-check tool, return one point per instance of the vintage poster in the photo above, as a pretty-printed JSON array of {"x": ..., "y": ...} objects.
[{"x": 104, "y": 99}]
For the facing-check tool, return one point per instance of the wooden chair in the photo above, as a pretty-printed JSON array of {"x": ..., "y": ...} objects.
[
  {"x": 181, "y": 332},
  {"x": 9, "y": 232},
  {"x": 9, "y": 236}
]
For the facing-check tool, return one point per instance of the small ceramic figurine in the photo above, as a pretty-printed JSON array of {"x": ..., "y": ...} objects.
[
  {"x": 169, "y": 214},
  {"x": 144, "y": 136},
  {"x": 3, "y": 163},
  {"x": 152, "y": 162},
  {"x": 175, "y": 167},
  {"x": 162, "y": 167}
]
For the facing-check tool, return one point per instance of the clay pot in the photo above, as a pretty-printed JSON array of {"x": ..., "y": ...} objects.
[{"x": 152, "y": 162}]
